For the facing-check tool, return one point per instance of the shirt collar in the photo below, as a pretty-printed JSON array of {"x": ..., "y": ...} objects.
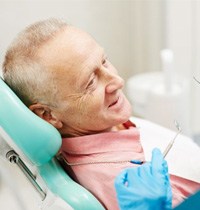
[{"x": 122, "y": 140}]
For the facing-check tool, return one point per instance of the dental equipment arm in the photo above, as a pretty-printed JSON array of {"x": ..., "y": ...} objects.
[{"x": 146, "y": 187}]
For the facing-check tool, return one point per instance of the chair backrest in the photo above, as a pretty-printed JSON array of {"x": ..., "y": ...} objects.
[
  {"x": 40, "y": 142},
  {"x": 37, "y": 139}
]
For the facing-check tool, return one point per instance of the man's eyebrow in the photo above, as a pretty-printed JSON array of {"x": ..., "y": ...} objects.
[
  {"x": 87, "y": 77},
  {"x": 84, "y": 81}
]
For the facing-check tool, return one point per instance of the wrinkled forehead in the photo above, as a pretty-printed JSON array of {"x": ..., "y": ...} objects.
[
  {"x": 71, "y": 54},
  {"x": 69, "y": 45}
]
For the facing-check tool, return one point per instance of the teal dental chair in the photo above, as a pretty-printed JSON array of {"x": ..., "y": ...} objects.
[{"x": 24, "y": 132}]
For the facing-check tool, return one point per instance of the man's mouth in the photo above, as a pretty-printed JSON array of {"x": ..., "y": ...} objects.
[{"x": 114, "y": 102}]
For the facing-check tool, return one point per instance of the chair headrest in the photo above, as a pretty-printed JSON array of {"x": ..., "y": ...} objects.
[{"x": 38, "y": 140}]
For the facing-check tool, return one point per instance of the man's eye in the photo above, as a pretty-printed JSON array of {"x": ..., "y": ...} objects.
[
  {"x": 104, "y": 62},
  {"x": 91, "y": 83}
]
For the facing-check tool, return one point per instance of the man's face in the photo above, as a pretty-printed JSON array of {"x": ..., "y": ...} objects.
[{"x": 89, "y": 97}]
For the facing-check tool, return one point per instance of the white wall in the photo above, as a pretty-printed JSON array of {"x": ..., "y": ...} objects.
[
  {"x": 146, "y": 35},
  {"x": 195, "y": 65},
  {"x": 129, "y": 30},
  {"x": 183, "y": 37},
  {"x": 107, "y": 20}
]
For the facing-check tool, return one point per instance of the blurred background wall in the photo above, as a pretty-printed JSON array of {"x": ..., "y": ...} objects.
[
  {"x": 132, "y": 32},
  {"x": 129, "y": 30}
]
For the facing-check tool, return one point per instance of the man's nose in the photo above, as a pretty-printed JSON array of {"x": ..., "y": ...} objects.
[{"x": 114, "y": 83}]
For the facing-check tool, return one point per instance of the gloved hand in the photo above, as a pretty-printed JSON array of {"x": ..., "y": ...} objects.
[{"x": 146, "y": 187}]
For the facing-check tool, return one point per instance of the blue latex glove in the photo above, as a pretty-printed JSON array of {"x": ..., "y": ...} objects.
[{"x": 146, "y": 187}]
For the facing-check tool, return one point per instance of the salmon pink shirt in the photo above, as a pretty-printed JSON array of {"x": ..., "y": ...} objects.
[{"x": 95, "y": 160}]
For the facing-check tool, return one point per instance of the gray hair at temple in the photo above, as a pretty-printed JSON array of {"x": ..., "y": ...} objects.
[{"x": 23, "y": 70}]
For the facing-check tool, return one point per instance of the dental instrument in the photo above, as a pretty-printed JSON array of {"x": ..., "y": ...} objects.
[{"x": 169, "y": 146}]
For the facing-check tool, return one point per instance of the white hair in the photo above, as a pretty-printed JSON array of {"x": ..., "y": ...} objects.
[{"x": 22, "y": 69}]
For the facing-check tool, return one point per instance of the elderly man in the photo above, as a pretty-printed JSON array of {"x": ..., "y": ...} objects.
[{"x": 64, "y": 77}]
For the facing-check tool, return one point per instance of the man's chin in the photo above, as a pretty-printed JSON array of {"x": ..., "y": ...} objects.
[
  {"x": 123, "y": 119},
  {"x": 127, "y": 113}
]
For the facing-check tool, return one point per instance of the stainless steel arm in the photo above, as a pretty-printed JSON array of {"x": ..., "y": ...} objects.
[{"x": 13, "y": 157}]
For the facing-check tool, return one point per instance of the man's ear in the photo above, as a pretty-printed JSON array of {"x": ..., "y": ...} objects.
[{"x": 44, "y": 112}]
